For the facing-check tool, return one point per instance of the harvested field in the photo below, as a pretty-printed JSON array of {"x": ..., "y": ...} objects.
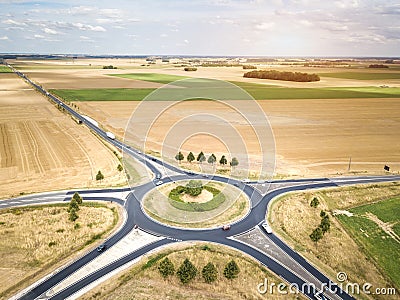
[
  {"x": 43, "y": 149},
  {"x": 312, "y": 137}
]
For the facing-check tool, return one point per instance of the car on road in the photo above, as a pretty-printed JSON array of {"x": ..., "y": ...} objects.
[
  {"x": 226, "y": 227},
  {"x": 267, "y": 228},
  {"x": 158, "y": 175},
  {"x": 205, "y": 175},
  {"x": 246, "y": 180},
  {"x": 159, "y": 182},
  {"x": 101, "y": 248}
]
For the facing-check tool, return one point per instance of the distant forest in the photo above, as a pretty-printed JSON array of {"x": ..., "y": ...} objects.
[{"x": 287, "y": 76}]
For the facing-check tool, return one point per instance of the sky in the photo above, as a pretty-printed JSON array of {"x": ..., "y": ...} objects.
[{"x": 202, "y": 27}]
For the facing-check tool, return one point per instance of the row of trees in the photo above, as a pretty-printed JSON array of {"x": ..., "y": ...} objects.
[
  {"x": 378, "y": 66},
  {"x": 249, "y": 67},
  {"x": 190, "y": 69},
  {"x": 73, "y": 207},
  {"x": 323, "y": 227},
  {"x": 278, "y": 75},
  {"x": 187, "y": 271},
  {"x": 201, "y": 158}
]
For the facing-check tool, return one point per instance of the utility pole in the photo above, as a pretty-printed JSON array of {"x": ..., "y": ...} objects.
[{"x": 348, "y": 169}]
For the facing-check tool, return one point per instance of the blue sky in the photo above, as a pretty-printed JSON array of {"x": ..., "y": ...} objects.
[{"x": 202, "y": 27}]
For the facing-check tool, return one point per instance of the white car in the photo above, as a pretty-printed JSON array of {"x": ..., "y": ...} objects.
[
  {"x": 246, "y": 180},
  {"x": 159, "y": 182},
  {"x": 267, "y": 228}
]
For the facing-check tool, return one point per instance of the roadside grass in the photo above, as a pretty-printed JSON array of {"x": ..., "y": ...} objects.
[
  {"x": 152, "y": 77},
  {"x": 258, "y": 91},
  {"x": 145, "y": 280},
  {"x": 37, "y": 239},
  {"x": 362, "y": 75},
  {"x": 293, "y": 219},
  {"x": 372, "y": 239},
  {"x": 5, "y": 69}
]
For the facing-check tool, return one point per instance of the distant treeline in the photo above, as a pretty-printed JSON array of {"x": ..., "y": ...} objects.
[
  {"x": 287, "y": 76},
  {"x": 190, "y": 69},
  {"x": 248, "y": 67},
  {"x": 109, "y": 67},
  {"x": 376, "y": 66}
]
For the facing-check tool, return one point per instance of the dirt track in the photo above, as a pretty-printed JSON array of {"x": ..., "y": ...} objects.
[{"x": 43, "y": 149}]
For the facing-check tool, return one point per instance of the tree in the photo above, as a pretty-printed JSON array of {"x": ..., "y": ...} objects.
[
  {"x": 314, "y": 202},
  {"x": 316, "y": 235},
  {"x": 120, "y": 168},
  {"x": 73, "y": 215},
  {"x": 73, "y": 205},
  {"x": 201, "y": 157},
  {"x": 194, "y": 188},
  {"x": 166, "y": 267},
  {"x": 209, "y": 273},
  {"x": 78, "y": 198},
  {"x": 325, "y": 223},
  {"x": 186, "y": 272},
  {"x": 190, "y": 157},
  {"x": 99, "y": 176},
  {"x": 223, "y": 160},
  {"x": 231, "y": 270},
  {"x": 212, "y": 159},
  {"x": 234, "y": 162},
  {"x": 179, "y": 157}
]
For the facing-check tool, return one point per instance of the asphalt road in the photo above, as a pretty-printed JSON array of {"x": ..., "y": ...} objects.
[{"x": 135, "y": 215}]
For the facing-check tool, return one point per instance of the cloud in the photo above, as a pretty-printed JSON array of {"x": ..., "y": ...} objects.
[
  {"x": 265, "y": 25},
  {"x": 87, "y": 27},
  {"x": 164, "y": 35},
  {"x": 186, "y": 41},
  {"x": 4, "y": 38},
  {"x": 49, "y": 31},
  {"x": 38, "y": 36},
  {"x": 13, "y": 22}
]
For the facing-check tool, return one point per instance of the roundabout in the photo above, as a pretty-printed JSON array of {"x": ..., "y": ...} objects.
[{"x": 196, "y": 204}]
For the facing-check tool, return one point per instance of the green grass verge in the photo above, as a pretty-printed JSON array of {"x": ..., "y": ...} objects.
[
  {"x": 258, "y": 91},
  {"x": 152, "y": 77},
  {"x": 216, "y": 201},
  {"x": 377, "y": 244},
  {"x": 5, "y": 69},
  {"x": 396, "y": 228},
  {"x": 362, "y": 75}
]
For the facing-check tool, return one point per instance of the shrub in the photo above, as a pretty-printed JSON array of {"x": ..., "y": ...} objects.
[
  {"x": 190, "y": 69},
  {"x": 278, "y": 75},
  {"x": 186, "y": 272},
  {"x": 166, "y": 267},
  {"x": 209, "y": 273},
  {"x": 231, "y": 270},
  {"x": 314, "y": 202}
]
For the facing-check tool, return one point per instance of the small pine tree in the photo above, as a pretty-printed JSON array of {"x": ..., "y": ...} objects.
[
  {"x": 179, "y": 157},
  {"x": 99, "y": 176},
  {"x": 190, "y": 157},
  {"x": 223, "y": 160},
  {"x": 73, "y": 215},
  {"x": 120, "y": 168},
  {"x": 231, "y": 270},
  {"x": 73, "y": 205},
  {"x": 211, "y": 160},
  {"x": 314, "y": 202},
  {"x": 234, "y": 162},
  {"x": 209, "y": 273},
  {"x": 78, "y": 198},
  {"x": 186, "y": 272},
  {"x": 325, "y": 224},
  {"x": 166, "y": 267},
  {"x": 316, "y": 235},
  {"x": 201, "y": 157}
]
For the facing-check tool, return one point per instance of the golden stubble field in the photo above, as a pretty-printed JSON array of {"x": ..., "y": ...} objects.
[
  {"x": 313, "y": 137},
  {"x": 43, "y": 149}
]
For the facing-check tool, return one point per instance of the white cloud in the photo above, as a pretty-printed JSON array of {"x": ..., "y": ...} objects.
[
  {"x": 4, "y": 38},
  {"x": 108, "y": 21},
  {"x": 306, "y": 23},
  {"x": 265, "y": 25},
  {"x": 164, "y": 35},
  {"x": 13, "y": 22},
  {"x": 49, "y": 31},
  {"x": 38, "y": 36},
  {"x": 87, "y": 27}
]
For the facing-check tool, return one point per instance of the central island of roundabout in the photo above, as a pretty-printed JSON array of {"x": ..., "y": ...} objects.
[{"x": 196, "y": 204}]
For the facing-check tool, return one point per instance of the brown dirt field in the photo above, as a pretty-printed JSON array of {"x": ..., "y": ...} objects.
[
  {"x": 313, "y": 137},
  {"x": 43, "y": 149},
  {"x": 293, "y": 218}
]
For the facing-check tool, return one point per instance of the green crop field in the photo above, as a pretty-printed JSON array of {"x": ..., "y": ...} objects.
[
  {"x": 258, "y": 91},
  {"x": 5, "y": 69},
  {"x": 362, "y": 75},
  {"x": 378, "y": 245},
  {"x": 152, "y": 77}
]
